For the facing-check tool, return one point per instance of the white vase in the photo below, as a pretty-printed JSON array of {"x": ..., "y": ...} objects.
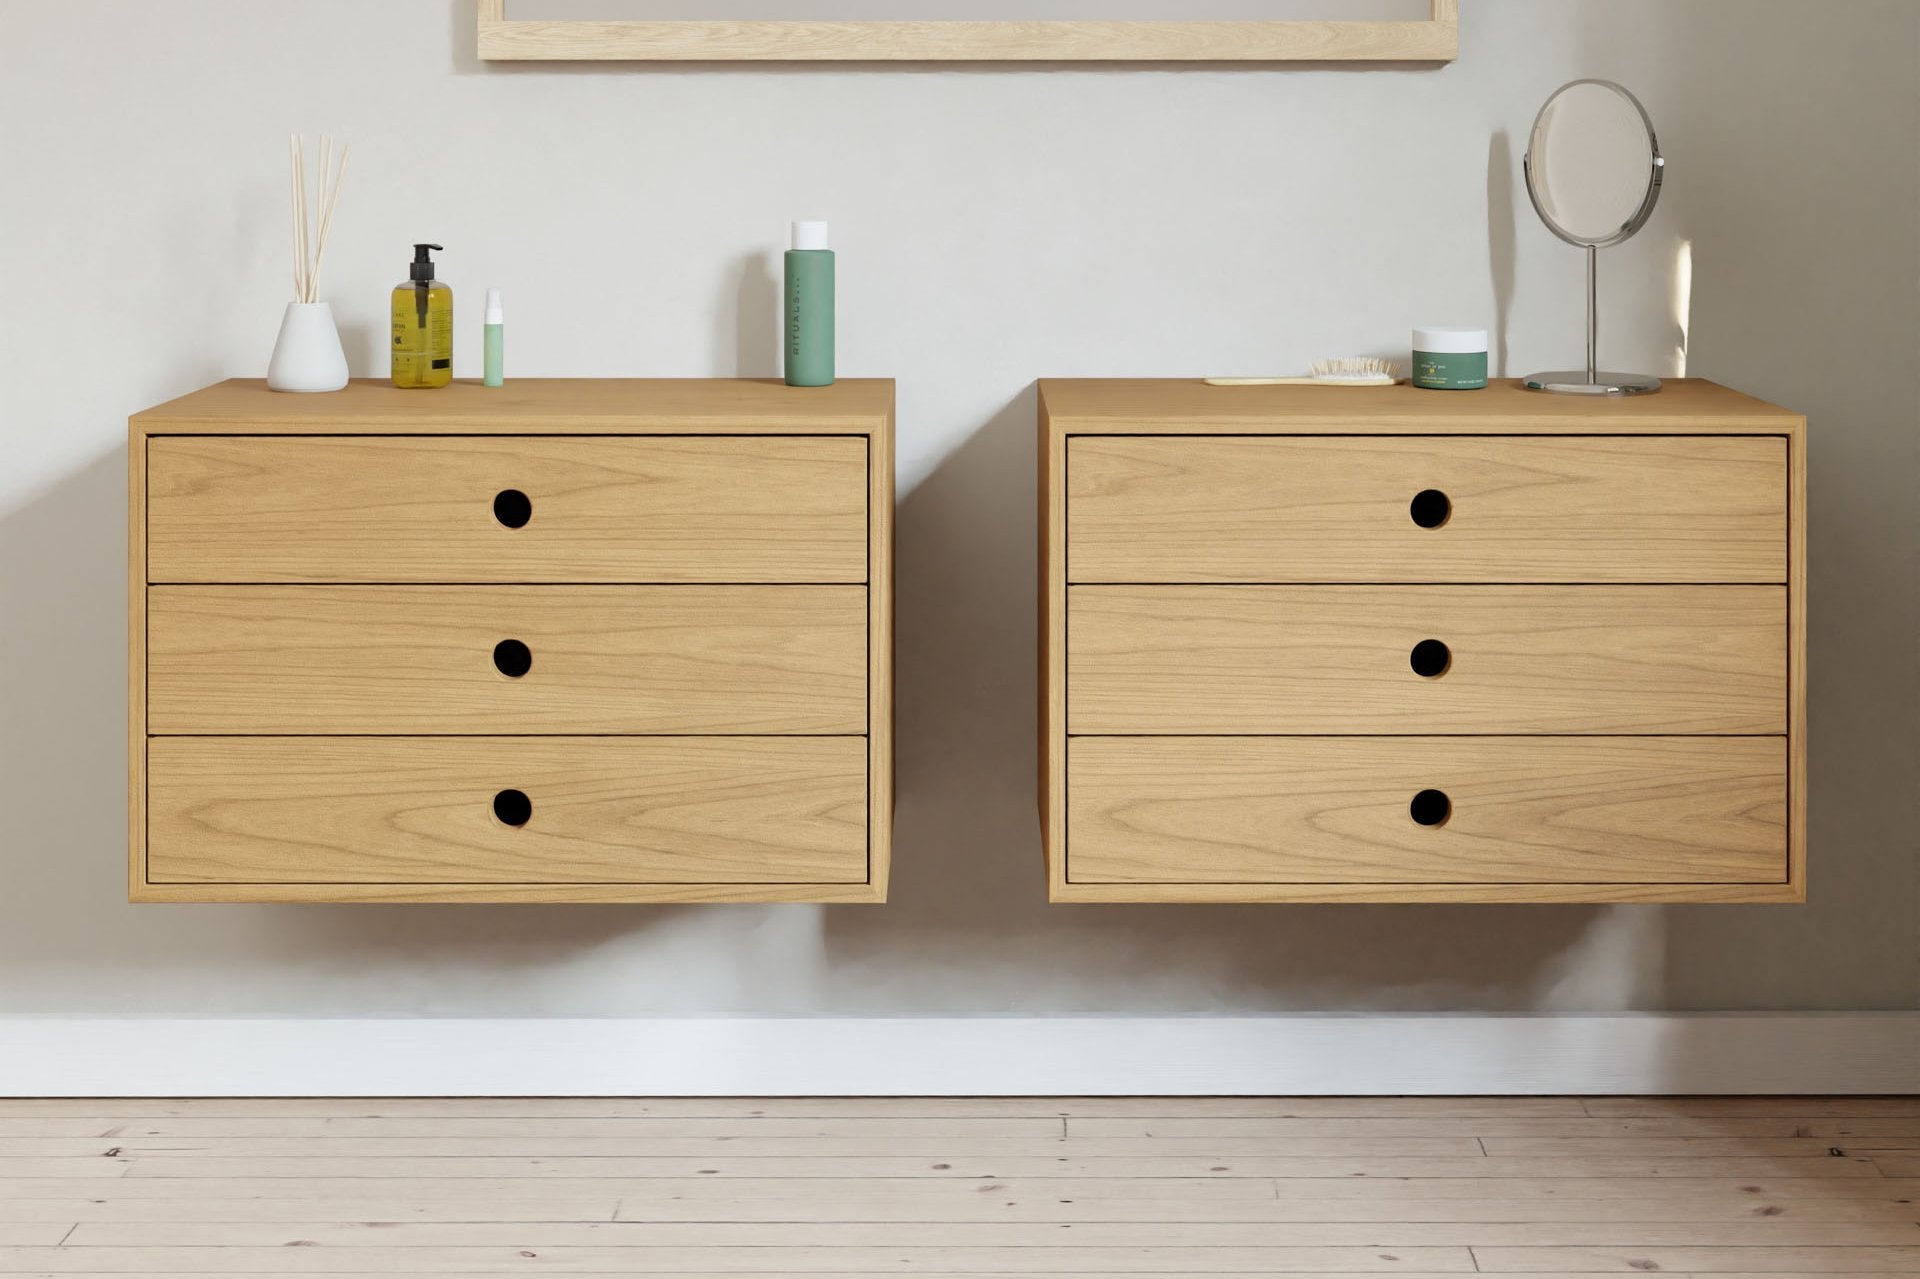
[{"x": 307, "y": 356}]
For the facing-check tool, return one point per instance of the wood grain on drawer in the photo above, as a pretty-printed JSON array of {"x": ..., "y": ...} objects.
[
  {"x": 421, "y": 659},
  {"x": 393, "y": 509},
  {"x": 1546, "y": 810},
  {"x": 1323, "y": 509},
  {"x": 421, "y": 810},
  {"x": 1339, "y": 659}
]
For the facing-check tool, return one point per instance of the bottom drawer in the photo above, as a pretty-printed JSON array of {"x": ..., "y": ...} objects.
[
  {"x": 1411, "y": 810},
  {"x": 355, "y": 810}
]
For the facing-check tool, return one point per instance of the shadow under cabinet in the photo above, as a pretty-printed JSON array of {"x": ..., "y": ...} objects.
[{"x": 559, "y": 641}]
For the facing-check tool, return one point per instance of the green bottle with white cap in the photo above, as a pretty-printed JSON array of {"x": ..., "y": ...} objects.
[{"x": 809, "y": 307}]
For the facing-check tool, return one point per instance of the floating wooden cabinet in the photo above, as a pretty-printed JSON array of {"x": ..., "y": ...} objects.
[
  {"x": 1329, "y": 644},
  {"x": 561, "y": 641}
]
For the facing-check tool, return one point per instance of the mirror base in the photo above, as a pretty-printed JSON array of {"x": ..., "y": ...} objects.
[{"x": 1578, "y": 382}]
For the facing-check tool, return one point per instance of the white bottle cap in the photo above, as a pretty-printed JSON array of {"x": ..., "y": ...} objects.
[
  {"x": 1446, "y": 341},
  {"x": 809, "y": 235},
  {"x": 494, "y": 314}
]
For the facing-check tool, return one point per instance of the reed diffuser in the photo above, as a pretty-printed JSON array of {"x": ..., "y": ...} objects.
[{"x": 307, "y": 356}]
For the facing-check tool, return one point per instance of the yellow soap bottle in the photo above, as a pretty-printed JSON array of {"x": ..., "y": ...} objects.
[{"x": 422, "y": 325}]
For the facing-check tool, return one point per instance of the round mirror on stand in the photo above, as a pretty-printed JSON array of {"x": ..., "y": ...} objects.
[{"x": 1593, "y": 172}]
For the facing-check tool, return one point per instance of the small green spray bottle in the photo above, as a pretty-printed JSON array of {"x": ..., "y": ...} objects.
[
  {"x": 809, "y": 307},
  {"x": 494, "y": 368}
]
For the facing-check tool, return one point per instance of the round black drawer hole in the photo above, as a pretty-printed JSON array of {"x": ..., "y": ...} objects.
[
  {"x": 513, "y": 807},
  {"x": 1431, "y": 808},
  {"x": 1430, "y": 508},
  {"x": 512, "y": 658},
  {"x": 1430, "y": 658},
  {"x": 512, "y": 508}
]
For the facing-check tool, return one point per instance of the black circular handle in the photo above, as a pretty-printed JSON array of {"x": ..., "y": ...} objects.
[
  {"x": 513, "y": 808},
  {"x": 512, "y": 508},
  {"x": 1430, "y": 659},
  {"x": 1430, "y": 508},
  {"x": 512, "y": 658},
  {"x": 1430, "y": 808}
]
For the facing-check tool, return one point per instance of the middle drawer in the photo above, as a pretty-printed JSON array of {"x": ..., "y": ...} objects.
[
  {"x": 1426, "y": 659},
  {"x": 507, "y": 659}
]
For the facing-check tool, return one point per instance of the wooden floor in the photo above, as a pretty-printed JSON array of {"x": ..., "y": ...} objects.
[{"x": 1133, "y": 1187}]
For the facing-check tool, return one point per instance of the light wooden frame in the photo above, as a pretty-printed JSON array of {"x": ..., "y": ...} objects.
[{"x": 1436, "y": 39}]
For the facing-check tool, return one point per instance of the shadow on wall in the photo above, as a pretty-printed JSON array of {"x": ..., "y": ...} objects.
[
  {"x": 969, "y": 889},
  {"x": 1802, "y": 292},
  {"x": 968, "y": 930},
  {"x": 63, "y": 723},
  {"x": 63, "y": 741},
  {"x": 1502, "y": 251}
]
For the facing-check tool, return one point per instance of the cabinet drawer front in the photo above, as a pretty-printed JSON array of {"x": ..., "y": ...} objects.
[
  {"x": 441, "y": 659},
  {"x": 1343, "y": 659},
  {"x": 422, "y": 810},
  {"x": 1319, "y": 509},
  {"x": 442, "y": 509},
  {"x": 1339, "y": 810}
]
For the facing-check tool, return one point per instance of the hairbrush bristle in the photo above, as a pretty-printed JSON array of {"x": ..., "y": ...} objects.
[{"x": 1368, "y": 367}]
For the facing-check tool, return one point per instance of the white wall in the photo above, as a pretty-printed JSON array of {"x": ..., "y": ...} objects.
[{"x": 995, "y": 226}]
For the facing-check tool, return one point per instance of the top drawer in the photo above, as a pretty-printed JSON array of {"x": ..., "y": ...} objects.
[
  {"x": 524, "y": 509},
  {"x": 1426, "y": 509}
]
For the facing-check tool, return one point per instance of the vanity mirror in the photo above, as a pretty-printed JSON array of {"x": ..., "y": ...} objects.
[{"x": 1593, "y": 169}]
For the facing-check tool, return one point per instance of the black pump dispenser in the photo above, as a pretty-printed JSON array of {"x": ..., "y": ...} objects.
[
  {"x": 422, "y": 325},
  {"x": 422, "y": 268}
]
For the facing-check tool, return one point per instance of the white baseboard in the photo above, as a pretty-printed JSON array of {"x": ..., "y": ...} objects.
[{"x": 1056, "y": 1056}]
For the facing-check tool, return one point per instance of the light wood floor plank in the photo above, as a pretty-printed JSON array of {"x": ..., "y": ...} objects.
[
  {"x": 526, "y": 1266},
  {"x": 696, "y": 1148},
  {"x": 634, "y": 1191},
  {"x": 873, "y": 1127},
  {"x": 728, "y": 1260},
  {"x": 1106, "y": 1129},
  {"x": 1723, "y": 1106},
  {"x": 1710, "y": 1207},
  {"x": 1689, "y": 1147},
  {"x": 801, "y": 1107},
  {"x": 36, "y": 1168},
  {"x": 487, "y": 1208},
  {"x": 916, "y": 1234},
  {"x": 958, "y": 1168},
  {"x": 1213, "y": 1128},
  {"x": 1700, "y": 1261},
  {"x": 629, "y": 1188}
]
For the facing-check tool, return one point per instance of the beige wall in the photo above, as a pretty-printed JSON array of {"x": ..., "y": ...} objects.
[{"x": 995, "y": 226}]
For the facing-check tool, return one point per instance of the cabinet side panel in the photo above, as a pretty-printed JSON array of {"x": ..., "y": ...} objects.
[
  {"x": 1797, "y": 660},
  {"x": 880, "y": 658},
  {"x": 1053, "y": 650},
  {"x": 136, "y": 661}
]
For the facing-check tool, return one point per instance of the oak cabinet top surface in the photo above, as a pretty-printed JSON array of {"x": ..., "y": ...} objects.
[
  {"x": 1189, "y": 405},
  {"x": 245, "y": 406}
]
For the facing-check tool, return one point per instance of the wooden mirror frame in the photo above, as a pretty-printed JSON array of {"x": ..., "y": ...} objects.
[{"x": 1436, "y": 39}]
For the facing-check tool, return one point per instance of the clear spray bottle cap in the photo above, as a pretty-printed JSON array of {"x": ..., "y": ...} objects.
[{"x": 494, "y": 314}]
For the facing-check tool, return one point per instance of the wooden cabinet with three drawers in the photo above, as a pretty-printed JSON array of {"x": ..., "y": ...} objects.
[
  {"x": 560, "y": 641},
  {"x": 1333, "y": 644}
]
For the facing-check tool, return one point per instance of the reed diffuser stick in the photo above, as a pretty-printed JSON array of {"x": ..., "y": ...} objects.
[
  {"x": 310, "y": 229},
  {"x": 330, "y": 188}
]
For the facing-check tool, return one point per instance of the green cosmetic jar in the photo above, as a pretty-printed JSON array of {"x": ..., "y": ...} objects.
[{"x": 1450, "y": 359}]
